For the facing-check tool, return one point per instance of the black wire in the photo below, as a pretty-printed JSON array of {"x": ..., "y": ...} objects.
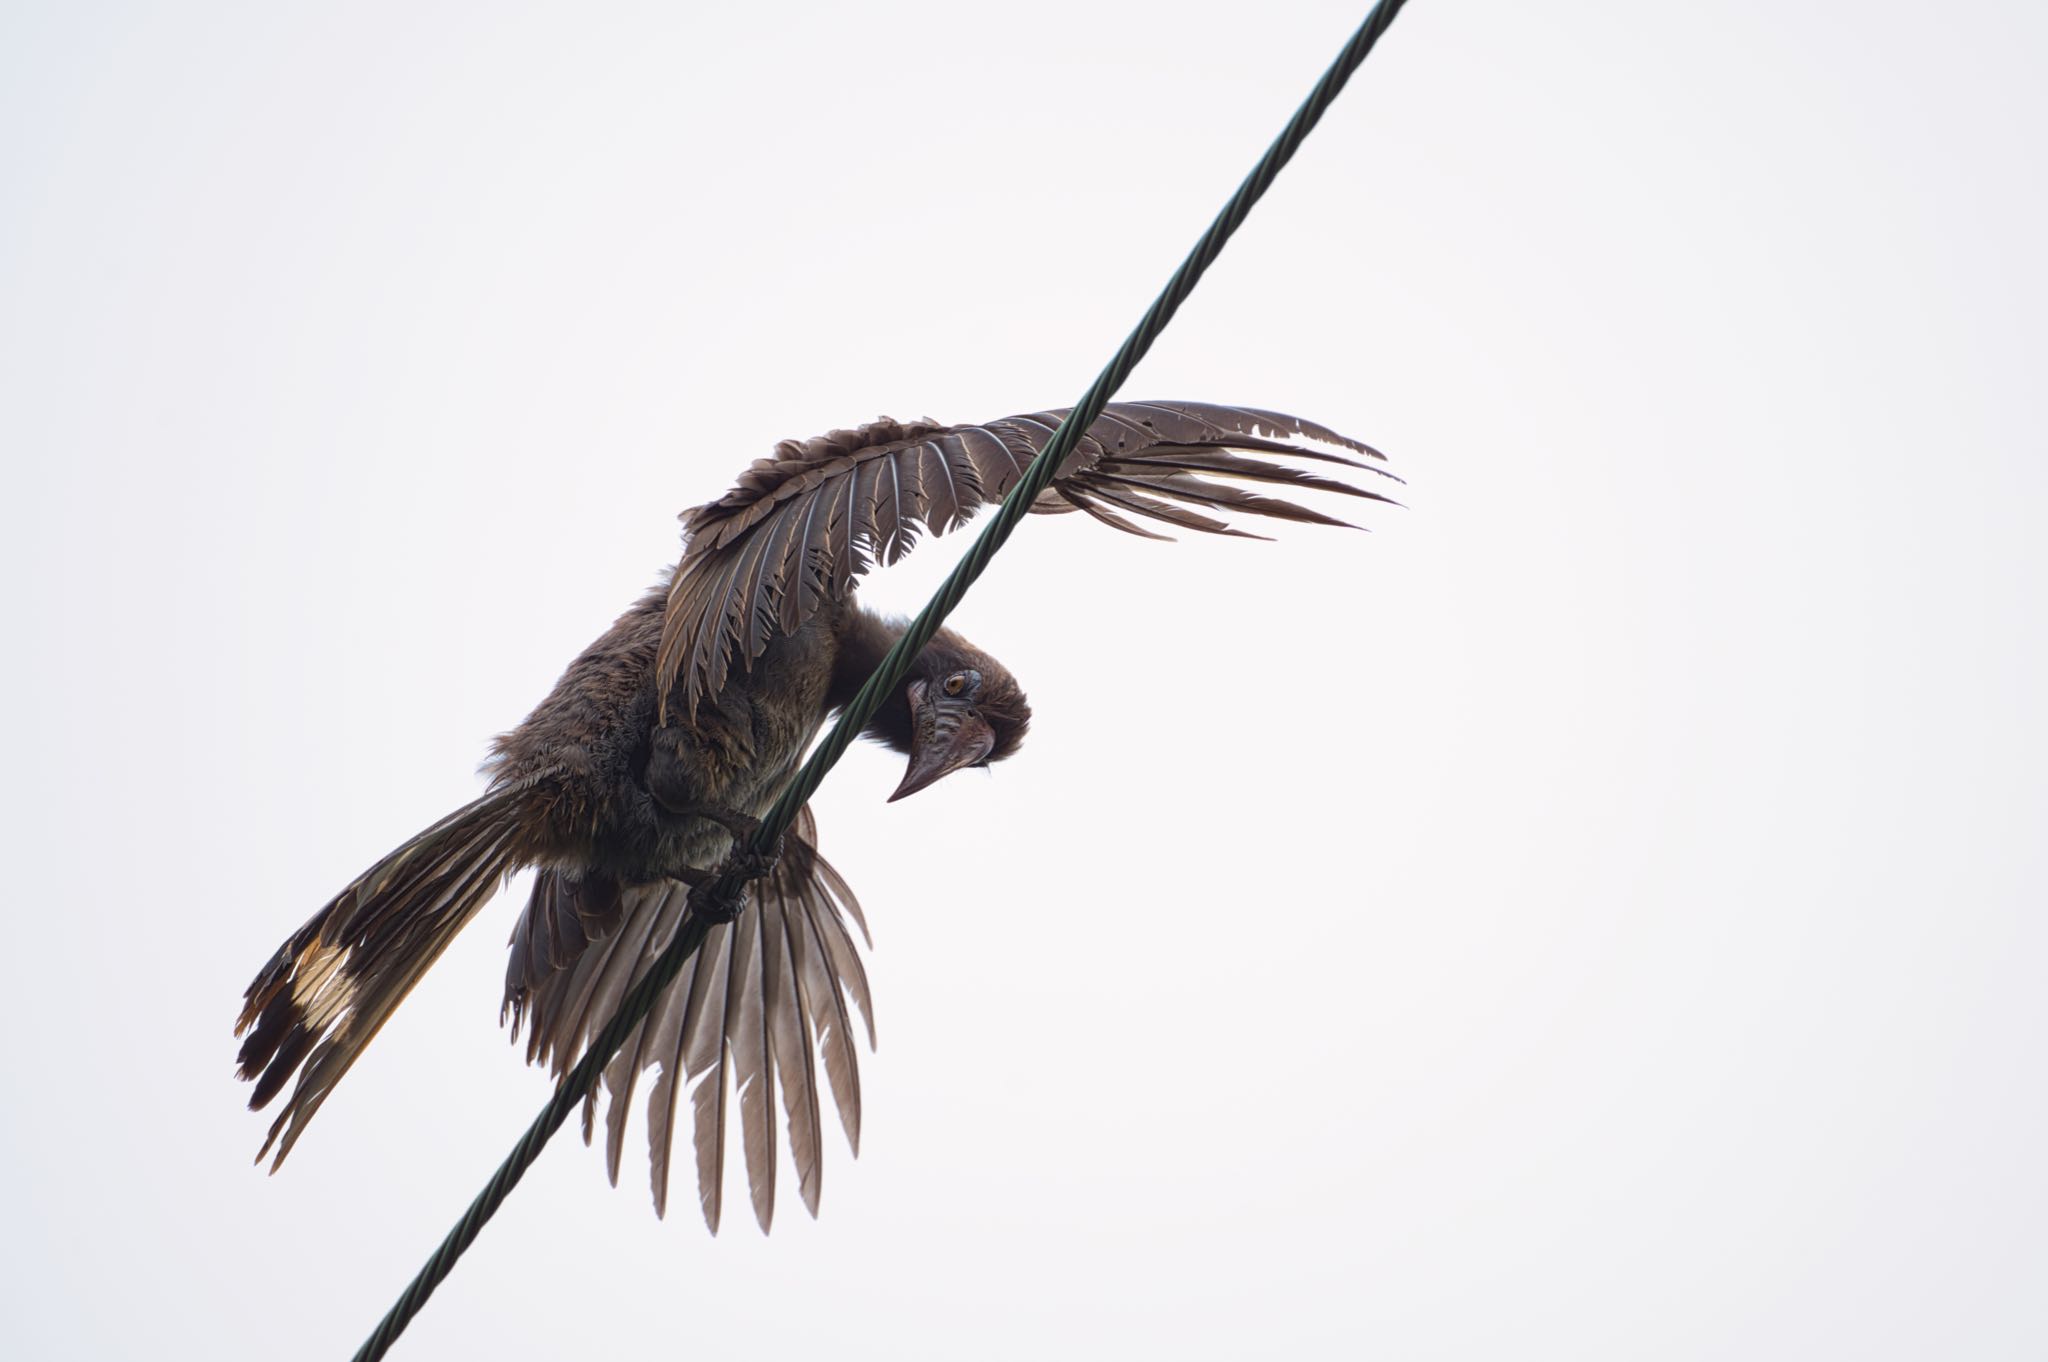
[{"x": 581, "y": 1080}]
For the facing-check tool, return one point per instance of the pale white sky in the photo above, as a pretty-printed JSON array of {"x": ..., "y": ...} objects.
[{"x": 1596, "y": 916}]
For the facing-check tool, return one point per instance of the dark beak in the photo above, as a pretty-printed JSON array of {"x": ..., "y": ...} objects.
[{"x": 945, "y": 735}]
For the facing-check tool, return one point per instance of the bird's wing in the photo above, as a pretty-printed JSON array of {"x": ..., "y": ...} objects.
[
  {"x": 803, "y": 524},
  {"x": 765, "y": 1005}
]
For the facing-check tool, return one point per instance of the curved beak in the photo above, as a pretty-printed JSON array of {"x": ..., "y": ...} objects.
[{"x": 945, "y": 735}]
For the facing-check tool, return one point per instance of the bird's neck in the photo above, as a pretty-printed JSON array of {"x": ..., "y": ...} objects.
[{"x": 864, "y": 639}]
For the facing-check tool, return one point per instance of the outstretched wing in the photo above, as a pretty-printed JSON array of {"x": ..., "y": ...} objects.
[
  {"x": 801, "y": 525},
  {"x": 765, "y": 1004}
]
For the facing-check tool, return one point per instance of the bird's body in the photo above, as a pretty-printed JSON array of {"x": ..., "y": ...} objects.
[
  {"x": 625, "y": 782},
  {"x": 680, "y": 724}
]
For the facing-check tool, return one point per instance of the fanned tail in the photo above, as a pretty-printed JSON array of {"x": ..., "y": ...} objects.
[{"x": 765, "y": 1010}]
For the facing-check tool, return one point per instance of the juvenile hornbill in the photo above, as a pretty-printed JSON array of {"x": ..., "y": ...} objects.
[{"x": 679, "y": 725}]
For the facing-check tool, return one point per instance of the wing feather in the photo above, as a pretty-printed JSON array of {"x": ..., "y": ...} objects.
[
  {"x": 944, "y": 507},
  {"x": 663, "y": 1052},
  {"x": 1186, "y": 487},
  {"x": 997, "y": 467},
  {"x": 758, "y": 1010},
  {"x": 832, "y": 1028},
  {"x": 791, "y": 1039},
  {"x": 825, "y": 511},
  {"x": 746, "y": 1040},
  {"x": 714, "y": 1089},
  {"x": 1137, "y": 503},
  {"x": 1079, "y": 497},
  {"x": 800, "y": 587}
]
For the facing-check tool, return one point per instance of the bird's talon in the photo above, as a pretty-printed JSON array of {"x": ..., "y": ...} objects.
[
  {"x": 710, "y": 906},
  {"x": 741, "y": 864},
  {"x": 753, "y": 865}
]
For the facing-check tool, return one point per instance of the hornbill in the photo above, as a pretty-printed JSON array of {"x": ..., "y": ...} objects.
[{"x": 648, "y": 762}]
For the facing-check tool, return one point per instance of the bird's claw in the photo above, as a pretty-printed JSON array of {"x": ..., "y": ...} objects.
[
  {"x": 752, "y": 865},
  {"x": 741, "y": 864},
  {"x": 708, "y": 905}
]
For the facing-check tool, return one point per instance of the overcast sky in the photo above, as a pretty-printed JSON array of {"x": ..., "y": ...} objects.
[{"x": 1596, "y": 915}]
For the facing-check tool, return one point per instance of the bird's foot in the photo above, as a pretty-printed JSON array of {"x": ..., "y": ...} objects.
[
  {"x": 746, "y": 864},
  {"x": 741, "y": 866},
  {"x": 742, "y": 826}
]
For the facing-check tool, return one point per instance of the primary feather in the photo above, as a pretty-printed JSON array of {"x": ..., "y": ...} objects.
[{"x": 801, "y": 526}]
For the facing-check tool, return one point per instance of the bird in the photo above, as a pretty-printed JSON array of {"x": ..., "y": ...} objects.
[{"x": 638, "y": 777}]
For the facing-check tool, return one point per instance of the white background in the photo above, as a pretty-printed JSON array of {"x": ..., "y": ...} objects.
[{"x": 1598, "y": 915}]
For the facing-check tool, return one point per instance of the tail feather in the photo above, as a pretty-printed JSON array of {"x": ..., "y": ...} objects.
[
  {"x": 337, "y": 980},
  {"x": 762, "y": 1011}
]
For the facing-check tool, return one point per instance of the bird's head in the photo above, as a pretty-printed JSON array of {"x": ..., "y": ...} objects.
[{"x": 958, "y": 707}]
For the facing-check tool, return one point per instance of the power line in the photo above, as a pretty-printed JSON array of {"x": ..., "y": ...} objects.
[{"x": 728, "y": 889}]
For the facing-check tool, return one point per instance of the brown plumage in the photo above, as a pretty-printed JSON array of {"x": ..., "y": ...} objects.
[
  {"x": 622, "y": 798},
  {"x": 803, "y": 524}
]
